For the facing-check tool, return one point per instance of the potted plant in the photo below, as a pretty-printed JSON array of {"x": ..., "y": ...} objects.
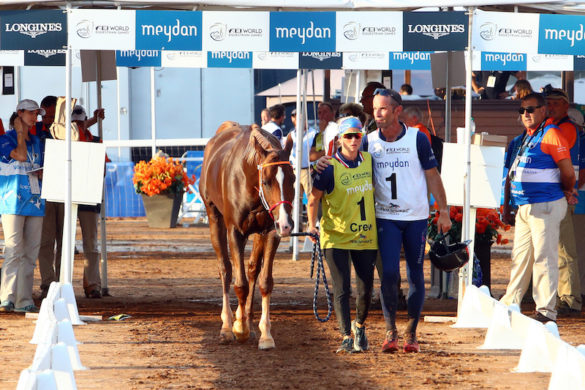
[
  {"x": 162, "y": 182},
  {"x": 487, "y": 232}
]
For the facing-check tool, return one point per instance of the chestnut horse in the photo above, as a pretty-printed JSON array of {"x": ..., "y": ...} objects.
[{"x": 246, "y": 185}]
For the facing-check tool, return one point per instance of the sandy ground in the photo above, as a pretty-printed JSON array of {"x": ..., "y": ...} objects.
[{"x": 167, "y": 281}]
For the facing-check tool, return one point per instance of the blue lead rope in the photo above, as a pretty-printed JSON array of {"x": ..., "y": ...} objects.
[{"x": 320, "y": 275}]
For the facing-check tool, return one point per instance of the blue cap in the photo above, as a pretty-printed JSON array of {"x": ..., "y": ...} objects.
[{"x": 350, "y": 124}]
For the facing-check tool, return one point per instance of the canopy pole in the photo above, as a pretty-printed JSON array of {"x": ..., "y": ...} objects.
[
  {"x": 448, "y": 99},
  {"x": 152, "y": 112},
  {"x": 314, "y": 98},
  {"x": 297, "y": 203},
  {"x": 119, "y": 113}
]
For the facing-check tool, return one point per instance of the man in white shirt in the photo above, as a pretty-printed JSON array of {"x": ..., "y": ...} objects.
[{"x": 277, "y": 117}]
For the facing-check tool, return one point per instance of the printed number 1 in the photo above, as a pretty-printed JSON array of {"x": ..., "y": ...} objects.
[
  {"x": 392, "y": 180},
  {"x": 362, "y": 204}
]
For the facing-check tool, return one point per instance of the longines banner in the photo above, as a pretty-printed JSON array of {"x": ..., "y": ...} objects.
[
  {"x": 504, "y": 31},
  {"x": 33, "y": 30},
  {"x": 275, "y": 60},
  {"x": 102, "y": 29},
  {"x": 368, "y": 31},
  {"x": 320, "y": 60},
  {"x": 435, "y": 31},
  {"x": 168, "y": 30},
  {"x": 302, "y": 31},
  {"x": 233, "y": 31},
  {"x": 44, "y": 57}
]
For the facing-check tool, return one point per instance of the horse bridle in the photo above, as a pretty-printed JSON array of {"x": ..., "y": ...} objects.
[{"x": 261, "y": 189}]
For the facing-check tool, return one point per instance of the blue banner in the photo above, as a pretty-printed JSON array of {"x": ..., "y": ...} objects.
[
  {"x": 229, "y": 59},
  {"x": 319, "y": 60},
  {"x": 561, "y": 34},
  {"x": 41, "y": 57},
  {"x": 434, "y": 31},
  {"x": 302, "y": 31},
  {"x": 22, "y": 30},
  {"x": 168, "y": 30},
  {"x": 410, "y": 60},
  {"x": 503, "y": 61},
  {"x": 135, "y": 58}
]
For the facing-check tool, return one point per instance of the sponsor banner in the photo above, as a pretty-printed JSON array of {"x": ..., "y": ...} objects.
[
  {"x": 538, "y": 62},
  {"x": 369, "y": 31},
  {"x": 11, "y": 58},
  {"x": 410, "y": 60},
  {"x": 561, "y": 34},
  {"x": 365, "y": 60},
  {"x": 33, "y": 30},
  {"x": 302, "y": 31},
  {"x": 434, "y": 31},
  {"x": 320, "y": 60},
  {"x": 102, "y": 29},
  {"x": 133, "y": 58},
  {"x": 505, "y": 31},
  {"x": 184, "y": 59},
  {"x": 229, "y": 59},
  {"x": 168, "y": 30},
  {"x": 275, "y": 60},
  {"x": 44, "y": 57},
  {"x": 579, "y": 63},
  {"x": 232, "y": 31},
  {"x": 503, "y": 61}
]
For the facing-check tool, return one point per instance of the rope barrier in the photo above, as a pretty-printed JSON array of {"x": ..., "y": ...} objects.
[{"x": 320, "y": 275}]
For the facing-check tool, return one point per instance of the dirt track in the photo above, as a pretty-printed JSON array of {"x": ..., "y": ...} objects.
[{"x": 167, "y": 281}]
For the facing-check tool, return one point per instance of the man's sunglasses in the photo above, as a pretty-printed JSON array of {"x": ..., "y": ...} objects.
[
  {"x": 529, "y": 109},
  {"x": 352, "y": 135},
  {"x": 388, "y": 92}
]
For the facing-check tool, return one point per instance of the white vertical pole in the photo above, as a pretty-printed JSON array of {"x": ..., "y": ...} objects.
[
  {"x": 118, "y": 112},
  {"x": 297, "y": 201},
  {"x": 152, "y": 111},
  {"x": 358, "y": 89}
]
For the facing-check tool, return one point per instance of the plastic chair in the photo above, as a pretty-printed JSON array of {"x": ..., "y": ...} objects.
[{"x": 192, "y": 205}]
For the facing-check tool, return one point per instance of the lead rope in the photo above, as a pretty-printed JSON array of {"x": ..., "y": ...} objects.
[{"x": 320, "y": 275}]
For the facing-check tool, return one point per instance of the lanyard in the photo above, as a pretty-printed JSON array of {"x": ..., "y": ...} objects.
[{"x": 527, "y": 143}]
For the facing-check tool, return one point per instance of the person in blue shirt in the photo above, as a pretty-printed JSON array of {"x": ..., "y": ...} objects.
[{"x": 21, "y": 206}]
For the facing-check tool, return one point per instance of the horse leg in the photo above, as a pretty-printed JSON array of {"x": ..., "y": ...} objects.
[
  {"x": 237, "y": 242},
  {"x": 271, "y": 241},
  {"x": 219, "y": 242},
  {"x": 254, "y": 265}
]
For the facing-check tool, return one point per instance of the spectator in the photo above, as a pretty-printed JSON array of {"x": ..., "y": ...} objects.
[
  {"x": 541, "y": 181},
  {"x": 367, "y": 100},
  {"x": 264, "y": 116},
  {"x": 277, "y": 117},
  {"x": 290, "y": 146},
  {"x": 492, "y": 84},
  {"x": 413, "y": 118},
  {"x": 521, "y": 88},
  {"x": 22, "y": 208},
  {"x": 353, "y": 109},
  {"x": 406, "y": 89},
  {"x": 326, "y": 115}
]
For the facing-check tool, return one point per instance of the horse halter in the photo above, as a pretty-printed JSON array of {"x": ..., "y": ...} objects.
[{"x": 261, "y": 189}]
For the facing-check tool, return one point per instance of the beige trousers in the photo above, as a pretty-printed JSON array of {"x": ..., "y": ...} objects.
[
  {"x": 22, "y": 238},
  {"x": 88, "y": 220},
  {"x": 51, "y": 243},
  {"x": 578, "y": 224},
  {"x": 569, "y": 284},
  {"x": 535, "y": 252}
]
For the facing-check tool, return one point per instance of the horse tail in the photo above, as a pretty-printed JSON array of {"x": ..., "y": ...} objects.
[
  {"x": 260, "y": 143},
  {"x": 227, "y": 125}
]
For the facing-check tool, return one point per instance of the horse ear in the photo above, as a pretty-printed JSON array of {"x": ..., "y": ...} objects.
[{"x": 258, "y": 145}]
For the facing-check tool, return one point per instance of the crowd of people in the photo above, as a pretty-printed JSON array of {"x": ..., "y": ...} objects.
[
  {"x": 33, "y": 227},
  {"x": 382, "y": 210}
]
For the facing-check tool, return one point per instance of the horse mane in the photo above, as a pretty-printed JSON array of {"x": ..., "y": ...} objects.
[
  {"x": 264, "y": 140},
  {"x": 227, "y": 125}
]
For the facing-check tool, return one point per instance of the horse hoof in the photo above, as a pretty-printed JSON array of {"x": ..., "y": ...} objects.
[
  {"x": 241, "y": 332},
  {"x": 265, "y": 344},
  {"x": 226, "y": 337}
]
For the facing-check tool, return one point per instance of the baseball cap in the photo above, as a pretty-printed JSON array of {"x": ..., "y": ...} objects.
[
  {"x": 350, "y": 124},
  {"x": 557, "y": 93},
  {"x": 29, "y": 105},
  {"x": 78, "y": 113},
  {"x": 576, "y": 117}
]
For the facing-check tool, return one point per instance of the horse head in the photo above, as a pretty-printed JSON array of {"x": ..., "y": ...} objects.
[{"x": 275, "y": 178}]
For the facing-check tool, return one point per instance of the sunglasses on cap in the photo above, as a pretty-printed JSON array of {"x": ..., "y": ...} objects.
[
  {"x": 352, "y": 135},
  {"x": 389, "y": 92},
  {"x": 529, "y": 109}
]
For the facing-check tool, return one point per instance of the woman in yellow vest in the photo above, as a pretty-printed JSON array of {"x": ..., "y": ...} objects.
[{"x": 348, "y": 229}]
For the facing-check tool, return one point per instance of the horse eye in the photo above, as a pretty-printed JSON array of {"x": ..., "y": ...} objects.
[{"x": 264, "y": 183}]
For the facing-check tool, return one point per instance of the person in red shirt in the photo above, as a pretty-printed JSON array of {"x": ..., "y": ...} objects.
[{"x": 412, "y": 117}]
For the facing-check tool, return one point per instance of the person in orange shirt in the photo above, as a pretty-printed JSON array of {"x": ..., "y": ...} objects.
[
  {"x": 412, "y": 116},
  {"x": 569, "y": 292}
]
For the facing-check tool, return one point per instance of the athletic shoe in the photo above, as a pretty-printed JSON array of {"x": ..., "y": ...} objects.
[
  {"x": 361, "y": 341},
  {"x": 27, "y": 309},
  {"x": 346, "y": 346},
  {"x": 411, "y": 345},
  {"x": 390, "y": 344},
  {"x": 6, "y": 307},
  {"x": 538, "y": 316},
  {"x": 564, "y": 310},
  {"x": 93, "y": 294}
]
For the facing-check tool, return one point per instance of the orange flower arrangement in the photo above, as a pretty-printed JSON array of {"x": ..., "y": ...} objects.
[
  {"x": 487, "y": 224},
  {"x": 160, "y": 176}
]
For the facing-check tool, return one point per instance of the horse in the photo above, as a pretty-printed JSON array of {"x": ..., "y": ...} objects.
[{"x": 247, "y": 187}]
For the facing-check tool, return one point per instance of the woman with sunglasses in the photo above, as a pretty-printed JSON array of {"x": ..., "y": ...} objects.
[{"x": 348, "y": 229}]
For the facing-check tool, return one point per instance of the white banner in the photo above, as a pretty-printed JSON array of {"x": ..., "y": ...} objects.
[
  {"x": 184, "y": 59},
  {"x": 505, "y": 32},
  {"x": 102, "y": 29},
  {"x": 361, "y": 60},
  {"x": 275, "y": 60},
  {"x": 235, "y": 31},
  {"x": 11, "y": 57},
  {"x": 369, "y": 31},
  {"x": 541, "y": 62}
]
